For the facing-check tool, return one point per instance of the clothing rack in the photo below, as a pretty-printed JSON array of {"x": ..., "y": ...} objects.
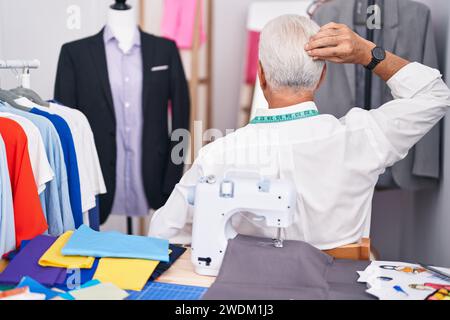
[{"x": 25, "y": 66}]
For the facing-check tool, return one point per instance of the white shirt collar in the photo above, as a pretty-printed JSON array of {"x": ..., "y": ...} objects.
[{"x": 309, "y": 105}]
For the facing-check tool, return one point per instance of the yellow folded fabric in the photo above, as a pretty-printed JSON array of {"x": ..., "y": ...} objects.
[
  {"x": 53, "y": 257},
  {"x": 127, "y": 274}
]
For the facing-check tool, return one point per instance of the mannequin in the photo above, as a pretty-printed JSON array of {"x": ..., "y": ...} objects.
[
  {"x": 122, "y": 19},
  {"x": 123, "y": 80}
]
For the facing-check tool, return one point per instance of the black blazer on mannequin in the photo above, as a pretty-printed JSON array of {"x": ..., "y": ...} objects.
[{"x": 82, "y": 82}]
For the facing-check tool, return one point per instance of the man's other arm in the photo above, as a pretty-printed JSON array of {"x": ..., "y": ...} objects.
[{"x": 172, "y": 221}]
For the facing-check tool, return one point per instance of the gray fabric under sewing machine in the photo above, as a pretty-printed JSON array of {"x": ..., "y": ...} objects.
[{"x": 253, "y": 269}]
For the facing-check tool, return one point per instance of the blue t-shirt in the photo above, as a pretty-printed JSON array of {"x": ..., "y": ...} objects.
[{"x": 70, "y": 158}]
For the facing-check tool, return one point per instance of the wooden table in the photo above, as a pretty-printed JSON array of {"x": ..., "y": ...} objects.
[{"x": 182, "y": 272}]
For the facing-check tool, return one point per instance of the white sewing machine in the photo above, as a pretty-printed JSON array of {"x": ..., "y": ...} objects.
[{"x": 217, "y": 201}]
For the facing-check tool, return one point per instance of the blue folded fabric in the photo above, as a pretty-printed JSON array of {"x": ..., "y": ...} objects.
[
  {"x": 86, "y": 275},
  {"x": 90, "y": 243}
]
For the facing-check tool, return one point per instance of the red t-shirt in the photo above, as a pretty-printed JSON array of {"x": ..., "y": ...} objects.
[{"x": 29, "y": 218}]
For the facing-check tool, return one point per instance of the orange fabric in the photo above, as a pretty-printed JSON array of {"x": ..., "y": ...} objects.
[{"x": 28, "y": 215}]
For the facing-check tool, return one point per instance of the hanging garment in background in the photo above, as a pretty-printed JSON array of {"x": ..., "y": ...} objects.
[
  {"x": 53, "y": 257},
  {"x": 87, "y": 242},
  {"x": 297, "y": 271},
  {"x": 94, "y": 216},
  {"x": 406, "y": 31},
  {"x": 70, "y": 160},
  {"x": 178, "y": 22},
  {"x": 125, "y": 78},
  {"x": 25, "y": 263},
  {"x": 93, "y": 182},
  {"x": 42, "y": 171},
  {"x": 29, "y": 218},
  {"x": 252, "y": 56},
  {"x": 83, "y": 83},
  {"x": 55, "y": 200},
  {"x": 7, "y": 229},
  {"x": 87, "y": 195}
]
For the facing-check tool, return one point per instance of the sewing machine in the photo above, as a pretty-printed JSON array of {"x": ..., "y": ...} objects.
[{"x": 218, "y": 200}]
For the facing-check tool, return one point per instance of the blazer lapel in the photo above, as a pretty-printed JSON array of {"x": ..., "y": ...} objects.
[
  {"x": 97, "y": 47},
  {"x": 346, "y": 17},
  {"x": 148, "y": 54}
]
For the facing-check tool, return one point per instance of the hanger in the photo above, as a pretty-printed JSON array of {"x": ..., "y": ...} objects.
[
  {"x": 316, "y": 4},
  {"x": 31, "y": 95},
  {"x": 10, "y": 98}
]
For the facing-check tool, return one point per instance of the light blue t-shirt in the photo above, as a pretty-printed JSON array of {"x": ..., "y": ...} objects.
[
  {"x": 7, "y": 228},
  {"x": 55, "y": 199}
]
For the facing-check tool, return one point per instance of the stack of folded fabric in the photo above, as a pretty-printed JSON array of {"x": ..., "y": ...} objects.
[{"x": 93, "y": 263}]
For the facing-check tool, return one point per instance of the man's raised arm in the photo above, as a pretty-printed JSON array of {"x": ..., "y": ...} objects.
[{"x": 421, "y": 98}]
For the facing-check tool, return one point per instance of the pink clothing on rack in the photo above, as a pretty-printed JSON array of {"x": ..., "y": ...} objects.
[
  {"x": 252, "y": 57},
  {"x": 179, "y": 20}
]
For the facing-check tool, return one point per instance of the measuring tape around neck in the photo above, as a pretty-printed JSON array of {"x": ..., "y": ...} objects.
[{"x": 285, "y": 117}]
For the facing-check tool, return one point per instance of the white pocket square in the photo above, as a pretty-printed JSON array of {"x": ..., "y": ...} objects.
[{"x": 160, "y": 68}]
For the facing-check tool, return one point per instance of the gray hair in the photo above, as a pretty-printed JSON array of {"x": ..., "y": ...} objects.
[{"x": 282, "y": 54}]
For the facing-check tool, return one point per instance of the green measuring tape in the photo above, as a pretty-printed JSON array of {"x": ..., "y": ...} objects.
[{"x": 285, "y": 117}]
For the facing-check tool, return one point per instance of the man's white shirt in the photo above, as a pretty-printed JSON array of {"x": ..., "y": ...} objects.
[{"x": 334, "y": 163}]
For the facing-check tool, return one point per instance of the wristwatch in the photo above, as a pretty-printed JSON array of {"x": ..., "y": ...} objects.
[{"x": 378, "y": 55}]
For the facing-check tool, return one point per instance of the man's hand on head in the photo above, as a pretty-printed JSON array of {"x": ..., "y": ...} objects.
[{"x": 338, "y": 43}]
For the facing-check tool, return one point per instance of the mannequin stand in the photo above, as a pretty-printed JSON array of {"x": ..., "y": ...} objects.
[{"x": 129, "y": 225}]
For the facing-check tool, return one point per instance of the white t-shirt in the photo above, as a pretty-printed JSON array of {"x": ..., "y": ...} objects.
[
  {"x": 42, "y": 170},
  {"x": 92, "y": 182}
]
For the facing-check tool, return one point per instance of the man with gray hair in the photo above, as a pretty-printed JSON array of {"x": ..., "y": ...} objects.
[{"x": 333, "y": 163}]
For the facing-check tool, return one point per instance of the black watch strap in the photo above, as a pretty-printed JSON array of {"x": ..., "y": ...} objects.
[{"x": 372, "y": 65}]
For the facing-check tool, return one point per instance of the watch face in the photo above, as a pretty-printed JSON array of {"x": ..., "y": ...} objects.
[{"x": 379, "y": 53}]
